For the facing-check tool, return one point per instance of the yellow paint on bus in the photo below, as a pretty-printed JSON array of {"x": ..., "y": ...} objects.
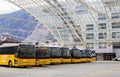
[
  {"x": 56, "y": 60},
  {"x": 17, "y": 54},
  {"x": 67, "y": 60},
  {"x": 42, "y": 61}
]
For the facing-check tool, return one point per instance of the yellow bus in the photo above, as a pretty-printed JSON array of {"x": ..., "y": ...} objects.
[
  {"x": 84, "y": 56},
  {"x": 76, "y": 56},
  {"x": 55, "y": 55},
  {"x": 42, "y": 55},
  {"x": 88, "y": 55},
  {"x": 17, "y": 54},
  {"x": 93, "y": 55},
  {"x": 66, "y": 55}
]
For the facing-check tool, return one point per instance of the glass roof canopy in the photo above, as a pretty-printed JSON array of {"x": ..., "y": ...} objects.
[{"x": 61, "y": 17}]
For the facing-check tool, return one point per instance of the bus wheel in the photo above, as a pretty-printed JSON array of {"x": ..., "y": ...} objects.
[{"x": 9, "y": 64}]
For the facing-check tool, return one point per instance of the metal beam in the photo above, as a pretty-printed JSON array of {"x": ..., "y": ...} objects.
[
  {"x": 89, "y": 7},
  {"x": 11, "y": 1}
]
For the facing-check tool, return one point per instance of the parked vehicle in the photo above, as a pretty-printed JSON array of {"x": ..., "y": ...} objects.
[
  {"x": 17, "y": 54},
  {"x": 117, "y": 59}
]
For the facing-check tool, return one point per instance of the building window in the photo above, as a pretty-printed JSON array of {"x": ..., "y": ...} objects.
[
  {"x": 65, "y": 13},
  {"x": 116, "y": 25},
  {"x": 59, "y": 5},
  {"x": 101, "y": 17},
  {"x": 115, "y": 34},
  {"x": 111, "y": 3},
  {"x": 102, "y": 25},
  {"x": 90, "y": 36},
  {"x": 102, "y": 45},
  {"x": 89, "y": 27},
  {"x": 115, "y": 15},
  {"x": 102, "y": 35},
  {"x": 63, "y": 9},
  {"x": 90, "y": 46},
  {"x": 80, "y": 9}
]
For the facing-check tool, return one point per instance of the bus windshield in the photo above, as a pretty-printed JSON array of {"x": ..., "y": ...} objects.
[
  {"x": 55, "y": 52},
  {"x": 66, "y": 52},
  {"x": 8, "y": 50},
  {"x": 93, "y": 53},
  {"x": 83, "y": 53},
  {"x": 88, "y": 53},
  {"x": 43, "y": 52},
  {"x": 76, "y": 53},
  {"x": 26, "y": 51}
]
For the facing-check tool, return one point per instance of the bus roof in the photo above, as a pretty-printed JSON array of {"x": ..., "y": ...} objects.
[
  {"x": 9, "y": 45},
  {"x": 48, "y": 46},
  {"x": 12, "y": 44}
]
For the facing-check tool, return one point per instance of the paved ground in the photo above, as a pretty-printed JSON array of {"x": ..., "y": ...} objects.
[{"x": 93, "y": 69}]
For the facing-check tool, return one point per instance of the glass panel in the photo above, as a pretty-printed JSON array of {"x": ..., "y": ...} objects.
[
  {"x": 102, "y": 35},
  {"x": 116, "y": 25},
  {"x": 66, "y": 52},
  {"x": 101, "y": 17},
  {"x": 89, "y": 36},
  {"x": 115, "y": 15},
  {"x": 8, "y": 50},
  {"x": 89, "y": 27},
  {"x": 115, "y": 34},
  {"x": 76, "y": 53},
  {"x": 102, "y": 45},
  {"x": 102, "y": 25},
  {"x": 27, "y": 51},
  {"x": 55, "y": 52},
  {"x": 89, "y": 45},
  {"x": 43, "y": 52},
  {"x": 88, "y": 53}
]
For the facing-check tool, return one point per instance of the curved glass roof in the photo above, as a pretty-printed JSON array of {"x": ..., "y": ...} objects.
[{"x": 67, "y": 20}]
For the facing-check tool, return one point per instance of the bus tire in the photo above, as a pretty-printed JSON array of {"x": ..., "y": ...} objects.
[{"x": 9, "y": 64}]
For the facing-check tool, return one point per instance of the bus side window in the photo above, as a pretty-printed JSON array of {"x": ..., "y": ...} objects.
[{"x": 0, "y": 51}]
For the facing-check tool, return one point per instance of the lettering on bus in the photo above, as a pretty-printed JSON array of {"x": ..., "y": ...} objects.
[{"x": 42, "y": 48}]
